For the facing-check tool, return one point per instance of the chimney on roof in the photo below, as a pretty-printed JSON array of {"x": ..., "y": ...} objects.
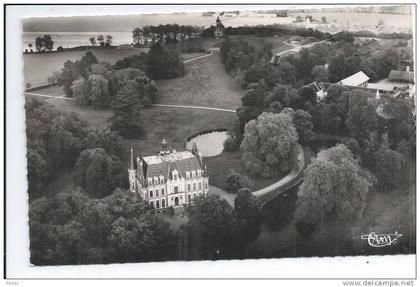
[{"x": 164, "y": 148}]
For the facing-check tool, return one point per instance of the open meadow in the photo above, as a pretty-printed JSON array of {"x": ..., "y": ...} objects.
[{"x": 205, "y": 84}]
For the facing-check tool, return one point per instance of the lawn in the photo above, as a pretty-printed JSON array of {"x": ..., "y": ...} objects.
[
  {"x": 205, "y": 84},
  {"x": 219, "y": 170}
]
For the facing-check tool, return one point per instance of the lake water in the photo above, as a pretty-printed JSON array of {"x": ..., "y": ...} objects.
[{"x": 209, "y": 144}]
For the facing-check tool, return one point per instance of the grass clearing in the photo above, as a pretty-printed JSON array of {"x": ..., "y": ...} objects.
[
  {"x": 205, "y": 84},
  {"x": 219, "y": 170}
]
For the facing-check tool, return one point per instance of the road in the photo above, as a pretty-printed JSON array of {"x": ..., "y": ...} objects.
[{"x": 297, "y": 48}]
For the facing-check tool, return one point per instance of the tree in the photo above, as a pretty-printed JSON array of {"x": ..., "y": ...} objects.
[
  {"x": 68, "y": 75},
  {"x": 98, "y": 172},
  {"x": 248, "y": 212},
  {"x": 235, "y": 182},
  {"x": 361, "y": 118},
  {"x": 92, "y": 41},
  {"x": 48, "y": 43},
  {"x": 136, "y": 61},
  {"x": 108, "y": 42},
  {"x": 137, "y": 35},
  {"x": 99, "y": 96},
  {"x": 54, "y": 141},
  {"x": 71, "y": 228},
  {"x": 333, "y": 182},
  {"x": 303, "y": 124},
  {"x": 38, "y": 170},
  {"x": 56, "y": 237},
  {"x": 163, "y": 63},
  {"x": 155, "y": 239},
  {"x": 269, "y": 144},
  {"x": 336, "y": 69},
  {"x": 126, "y": 113},
  {"x": 390, "y": 166},
  {"x": 101, "y": 40},
  {"x": 85, "y": 64},
  {"x": 80, "y": 91},
  {"x": 104, "y": 138},
  {"x": 319, "y": 73},
  {"x": 286, "y": 73},
  {"x": 39, "y": 44},
  {"x": 211, "y": 230}
]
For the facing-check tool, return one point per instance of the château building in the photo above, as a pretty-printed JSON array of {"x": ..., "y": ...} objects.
[
  {"x": 170, "y": 178},
  {"x": 219, "y": 29}
]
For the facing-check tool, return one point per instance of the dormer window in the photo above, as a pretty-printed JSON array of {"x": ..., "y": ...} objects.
[
  {"x": 149, "y": 181},
  {"x": 187, "y": 175},
  {"x": 155, "y": 180},
  {"x": 193, "y": 174},
  {"x": 175, "y": 175},
  {"x": 198, "y": 173},
  {"x": 161, "y": 179}
]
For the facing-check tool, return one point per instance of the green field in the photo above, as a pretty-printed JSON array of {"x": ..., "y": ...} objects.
[{"x": 205, "y": 84}]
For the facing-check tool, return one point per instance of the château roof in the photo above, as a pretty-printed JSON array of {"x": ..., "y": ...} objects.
[{"x": 163, "y": 165}]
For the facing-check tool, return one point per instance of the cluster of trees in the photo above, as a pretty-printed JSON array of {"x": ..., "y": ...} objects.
[
  {"x": 101, "y": 40},
  {"x": 72, "y": 228},
  {"x": 384, "y": 147},
  {"x": 268, "y": 31},
  {"x": 44, "y": 43},
  {"x": 235, "y": 182},
  {"x": 168, "y": 34},
  {"x": 125, "y": 88},
  {"x": 215, "y": 230},
  {"x": 334, "y": 182},
  {"x": 393, "y": 35},
  {"x": 281, "y": 83},
  {"x": 160, "y": 62},
  {"x": 57, "y": 140}
]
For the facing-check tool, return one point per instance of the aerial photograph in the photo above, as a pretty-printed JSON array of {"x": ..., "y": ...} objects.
[{"x": 220, "y": 134}]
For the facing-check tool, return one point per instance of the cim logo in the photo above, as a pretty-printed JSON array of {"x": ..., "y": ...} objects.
[{"x": 381, "y": 240}]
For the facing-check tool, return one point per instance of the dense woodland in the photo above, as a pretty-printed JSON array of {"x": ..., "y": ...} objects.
[{"x": 373, "y": 152}]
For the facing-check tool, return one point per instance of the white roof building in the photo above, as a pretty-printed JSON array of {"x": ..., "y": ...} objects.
[{"x": 359, "y": 79}]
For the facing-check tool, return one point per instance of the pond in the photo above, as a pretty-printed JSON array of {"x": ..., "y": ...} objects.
[{"x": 209, "y": 144}]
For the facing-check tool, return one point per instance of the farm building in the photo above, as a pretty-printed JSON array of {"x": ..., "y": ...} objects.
[
  {"x": 402, "y": 76},
  {"x": 359, "y": 79}
]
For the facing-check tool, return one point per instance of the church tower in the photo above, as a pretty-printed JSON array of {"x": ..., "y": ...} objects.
[
  {"x": 132, "y": 172},
  {"x": 219, "y": 29}
]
